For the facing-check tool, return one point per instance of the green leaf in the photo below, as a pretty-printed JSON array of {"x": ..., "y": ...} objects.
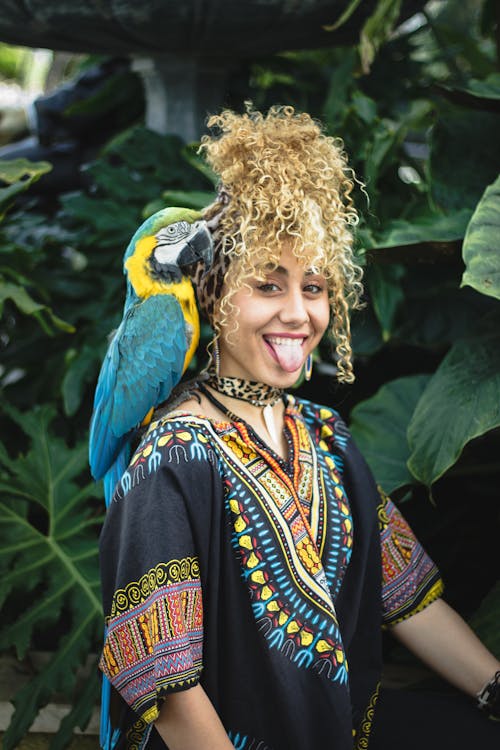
[
  {"x": 192, "y": 157},
  {"x": 489, "y": 88},
  {"x": 436, "y": 312},
  {"x": 489, "y": 18},
  {"x": 19, "y": 174},
  {"x": 150, "y": 154},
  {"x": 344, "y": 17},
  {"x": 340, "y": 82},
  {"x": 196, "y": 199},
  {"x": 459, "y": 404},
  {"x": 386, "y": 294},
  {"x": 481, "y": 248},
  {"x": 56, "y": 677},
  {"x": 80, "y": 713},
  {"x": 365, "y": 107},
  {"x": 152, "y": 207},
  {"x": 377, "y": 29},
  {"x": 27, "y": 305},
  {"x": 485, "y": 620},
  {"x": 366, "y": 334},
  {"x": 464, "y": 156},
  {"x": 48, "y": 544},
  {"x": 113, "y": 225},
  {"x": 82, "y": 371},
  {"x": 431, "y": 228},
  {"x": 379, "y": 427},
  {"x": 385, "y": 139}
]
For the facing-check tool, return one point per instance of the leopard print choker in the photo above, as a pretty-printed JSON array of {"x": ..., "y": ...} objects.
[{"x": 257, "y": 394}]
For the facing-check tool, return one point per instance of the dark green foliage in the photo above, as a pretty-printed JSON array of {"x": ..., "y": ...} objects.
[
  {"x": 62, "y": 290},
  {"x": 481, "y": 250},
  {"x": 379, "y": 427},
  {"x": 417, "y": 109},
  {"x": 48, "y": 558}
]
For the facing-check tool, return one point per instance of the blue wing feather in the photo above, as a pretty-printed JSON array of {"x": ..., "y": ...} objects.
[
  {"x": 143, "y": 363},
  {"x": 116, "y": 471}
]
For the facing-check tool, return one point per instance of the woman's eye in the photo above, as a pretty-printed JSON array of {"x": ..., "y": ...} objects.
[
  {"x": 269, "y": 287},
  {"x": 313, "y": 288}
]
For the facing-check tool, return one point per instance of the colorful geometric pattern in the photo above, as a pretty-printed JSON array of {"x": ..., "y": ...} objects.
[
  {"x": 292, "y": 534},
  {"x": 410, "y": 580},
  {"x": 279, "y": 514},
  {"x": 155, "y": 634}
]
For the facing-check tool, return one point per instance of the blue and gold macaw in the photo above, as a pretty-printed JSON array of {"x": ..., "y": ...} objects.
[
  {"x": 156, "y": 339},
  {"x": 149, "y": 351}
]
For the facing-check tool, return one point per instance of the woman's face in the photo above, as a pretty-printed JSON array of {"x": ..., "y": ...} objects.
[{"x": 280, "y": 320}]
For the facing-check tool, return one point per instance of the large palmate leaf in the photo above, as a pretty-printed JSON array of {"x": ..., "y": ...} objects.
[
  {"x": 481, "y": 248},
  {"x": 459, "y": 404},
  {"x": 379, "y": 426},
  {"x": 48, "y": 563}
]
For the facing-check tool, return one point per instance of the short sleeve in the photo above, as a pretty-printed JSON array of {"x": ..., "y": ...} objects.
[
  {"x": 150, "y": 569},
  {"x": 410, "y": 579}
]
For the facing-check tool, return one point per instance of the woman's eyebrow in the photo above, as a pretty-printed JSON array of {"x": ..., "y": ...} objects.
[
  {"x": 279, "y": 269},
  {"x": 284, "y": 271}
]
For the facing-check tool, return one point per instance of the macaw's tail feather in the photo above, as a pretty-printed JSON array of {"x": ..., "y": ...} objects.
[
  {"x": 108, "y": 736},
  {"x": 116, "y": 472},
  {"x": 104, "y": 442}
]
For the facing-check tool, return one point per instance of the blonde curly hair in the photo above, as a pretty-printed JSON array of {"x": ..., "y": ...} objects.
[{"x": 285, "y": 180}]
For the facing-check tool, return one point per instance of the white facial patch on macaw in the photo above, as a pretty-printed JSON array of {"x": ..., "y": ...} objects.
[{"x": 170, "y": 241}]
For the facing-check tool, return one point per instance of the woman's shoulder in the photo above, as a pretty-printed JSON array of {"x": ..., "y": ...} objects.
[
  {"x": 177, "y": 427},
  {"x": 314, "y": 411},
  {"x": 325, "y": 422},
  {"x": 175, "y": 450}
]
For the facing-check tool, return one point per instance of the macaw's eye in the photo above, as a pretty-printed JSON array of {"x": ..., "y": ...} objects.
[{"x": 173, "y": 233}]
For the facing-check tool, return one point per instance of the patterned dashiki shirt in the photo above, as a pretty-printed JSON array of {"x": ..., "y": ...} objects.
[{"x": 267, "y": 581}]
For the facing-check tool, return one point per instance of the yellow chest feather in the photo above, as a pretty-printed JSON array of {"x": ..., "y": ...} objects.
[{"x": 145, "y": 286}]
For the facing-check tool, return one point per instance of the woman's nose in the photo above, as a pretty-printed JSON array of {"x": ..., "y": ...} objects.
[{"x": 294, "y": 310}]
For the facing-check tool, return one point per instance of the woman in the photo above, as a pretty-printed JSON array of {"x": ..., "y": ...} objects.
[{"x": 248, "y": 570}]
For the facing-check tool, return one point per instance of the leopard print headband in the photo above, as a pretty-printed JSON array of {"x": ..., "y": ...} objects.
[{"x": 209, "y": 287}]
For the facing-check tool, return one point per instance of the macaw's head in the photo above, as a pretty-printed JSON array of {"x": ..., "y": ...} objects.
[{"x": 166, "y": 249}]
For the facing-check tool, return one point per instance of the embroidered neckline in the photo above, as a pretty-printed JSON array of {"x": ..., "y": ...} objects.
[{"x": 292, "y": 409}]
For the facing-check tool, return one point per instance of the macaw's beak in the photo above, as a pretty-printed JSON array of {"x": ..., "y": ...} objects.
[{"x": 199, "y": 247}]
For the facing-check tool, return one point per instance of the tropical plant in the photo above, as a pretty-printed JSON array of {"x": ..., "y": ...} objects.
[
  {"x": 66, "y": 260},
  {"x": 418, "y": 107},
  {"x": 48, "y": 565}
]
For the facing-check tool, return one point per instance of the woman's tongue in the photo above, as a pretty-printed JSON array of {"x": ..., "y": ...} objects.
[{"x": 287, "y": 352}]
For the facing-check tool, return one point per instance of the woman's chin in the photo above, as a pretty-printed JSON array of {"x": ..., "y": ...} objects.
[{"x": 283, "y": 379}]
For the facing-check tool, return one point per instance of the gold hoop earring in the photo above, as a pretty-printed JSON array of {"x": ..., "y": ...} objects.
[{"x": 308, "y": 367}]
